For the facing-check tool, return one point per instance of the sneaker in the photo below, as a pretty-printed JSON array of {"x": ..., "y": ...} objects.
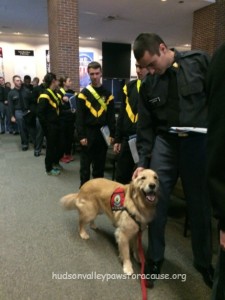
[
  {"x": 57, "y": 167},
  {"x": 70, "y": 157},
  {"x": 24, "y": 148},
  {"x": 65, "y": 159},
  {"x": 36, "y": 153},
  {"x": 53, "y": 172}
]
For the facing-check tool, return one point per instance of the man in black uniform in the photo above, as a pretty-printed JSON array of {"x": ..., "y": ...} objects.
[
  {"x": 95, "y": 108},
  {"x": 18, "y": 100},
  {"x": 216, "y": 159},
  {"x": 174, "y": 97},
  {"x": 48, "y": 107},
  {"x": 126, "y": 127}
]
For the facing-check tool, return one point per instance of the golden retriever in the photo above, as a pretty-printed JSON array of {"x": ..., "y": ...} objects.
[{"x": 140, "y": 202}]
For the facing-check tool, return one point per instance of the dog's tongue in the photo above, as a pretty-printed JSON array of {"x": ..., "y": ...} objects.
[{"x": 150, "y": 197}]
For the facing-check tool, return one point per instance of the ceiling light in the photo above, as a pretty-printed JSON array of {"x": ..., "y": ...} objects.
[
  {"x": 163, "y": 0},
  {"x": 17, "y": 33}
]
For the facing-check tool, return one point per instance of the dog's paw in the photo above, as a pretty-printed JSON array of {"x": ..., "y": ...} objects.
[
  {"x": 84, "y": 235},
  {"x": 128, "y": 270}
]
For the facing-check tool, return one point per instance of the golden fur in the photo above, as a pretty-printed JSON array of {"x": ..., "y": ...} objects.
[{"x": 140, "y": 200}]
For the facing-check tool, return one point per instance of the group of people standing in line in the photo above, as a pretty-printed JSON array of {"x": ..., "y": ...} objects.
[{"x": 167, "y": 109}]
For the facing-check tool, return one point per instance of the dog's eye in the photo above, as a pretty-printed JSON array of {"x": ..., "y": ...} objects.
[
  {"x": 155, "y": 177},
  {"x": 143, "y": 177}
]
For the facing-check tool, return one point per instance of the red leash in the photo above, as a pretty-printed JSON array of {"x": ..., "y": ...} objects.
[{"x": 142, "y": 258}]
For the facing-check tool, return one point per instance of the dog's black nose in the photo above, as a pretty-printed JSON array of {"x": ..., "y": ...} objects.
[{"x": 152, "y": 186}]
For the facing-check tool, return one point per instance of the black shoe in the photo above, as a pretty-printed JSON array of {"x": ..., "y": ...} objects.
[
  {"x": 36, "y": 154},
  {"x": 152, "y": 271},
  {"x": 207, "y": 274},
  {"x": 24, "y": 148},
  {"x": 15, "y": 132},
  {"x": 3, "y": 132}
]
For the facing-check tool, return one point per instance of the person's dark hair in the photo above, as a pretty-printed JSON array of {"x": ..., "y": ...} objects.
[
  {"x": 27, "y": 77},
  {"x": 147, "y": 42},
  {"x": 62, "y": 80},
  {"x": 94, "y": 65},
  {"x": 49, "y": 77}
]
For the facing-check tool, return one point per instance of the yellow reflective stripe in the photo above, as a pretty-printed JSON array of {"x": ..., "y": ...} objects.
[
  {"x": 131, "y": 115},
  {"x": 109, "y": 99},
  {"x": 125, "y": 90},
  {"x": 62, "y": 91},
  {"x": 52, "y": 103},
  {"x": 138, "y": 85},
  {"x": 129, "y": 111},
  {"x": 96, "y": 96},
  {"x": 94, "y": 112}
]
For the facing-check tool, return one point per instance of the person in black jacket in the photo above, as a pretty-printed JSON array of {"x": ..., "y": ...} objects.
[
  {"x": 171, "y": 140},
  {"x": 216, "y": 159},
  {"x": 126, "y": 127},
  {"x": 95, "y": 108},
  {"x": 67, "y": 120},
  {"x": 18, "y": 99},
  {"x": 39, "y": 134},
  {"x": 48, "y": 108}
]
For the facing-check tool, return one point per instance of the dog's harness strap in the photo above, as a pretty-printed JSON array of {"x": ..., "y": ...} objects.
[{"x": 133, "y": 217}]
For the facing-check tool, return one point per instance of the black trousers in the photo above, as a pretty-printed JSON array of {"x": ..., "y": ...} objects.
[
  {"x": 94, "y": 154},
  {"x": 125, "y": 164},
  {"x": 175, "y": 156},
  {"x": 66, "y": 137},
  {"x": 52, "y": 145}
]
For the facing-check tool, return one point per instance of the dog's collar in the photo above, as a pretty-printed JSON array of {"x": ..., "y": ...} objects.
[{"x": 117, "y": 204}]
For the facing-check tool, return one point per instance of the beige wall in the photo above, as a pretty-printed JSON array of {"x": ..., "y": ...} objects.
[{"x": 10, "y": 62}]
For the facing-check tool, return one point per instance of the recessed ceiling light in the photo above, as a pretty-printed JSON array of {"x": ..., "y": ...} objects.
[
  {"x": 91, "y": 38},
  {"x": 46, "y": 34},
  {"x": 163, "y": 0},
  {"x": 17, "y": 33}
]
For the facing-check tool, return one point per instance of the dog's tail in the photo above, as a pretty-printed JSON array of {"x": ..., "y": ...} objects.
[{"x": 69, "y": 201}]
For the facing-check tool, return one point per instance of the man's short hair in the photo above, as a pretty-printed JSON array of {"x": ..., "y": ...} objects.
[
  {"x": 94, "y": 65},
  {"x": 147, "y": 42},
  {"x": 15, "y": 77},
  {"x": 27, "y": 77}
]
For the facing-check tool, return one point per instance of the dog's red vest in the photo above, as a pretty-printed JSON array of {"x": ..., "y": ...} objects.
[{"x": 117, "y": 199}]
